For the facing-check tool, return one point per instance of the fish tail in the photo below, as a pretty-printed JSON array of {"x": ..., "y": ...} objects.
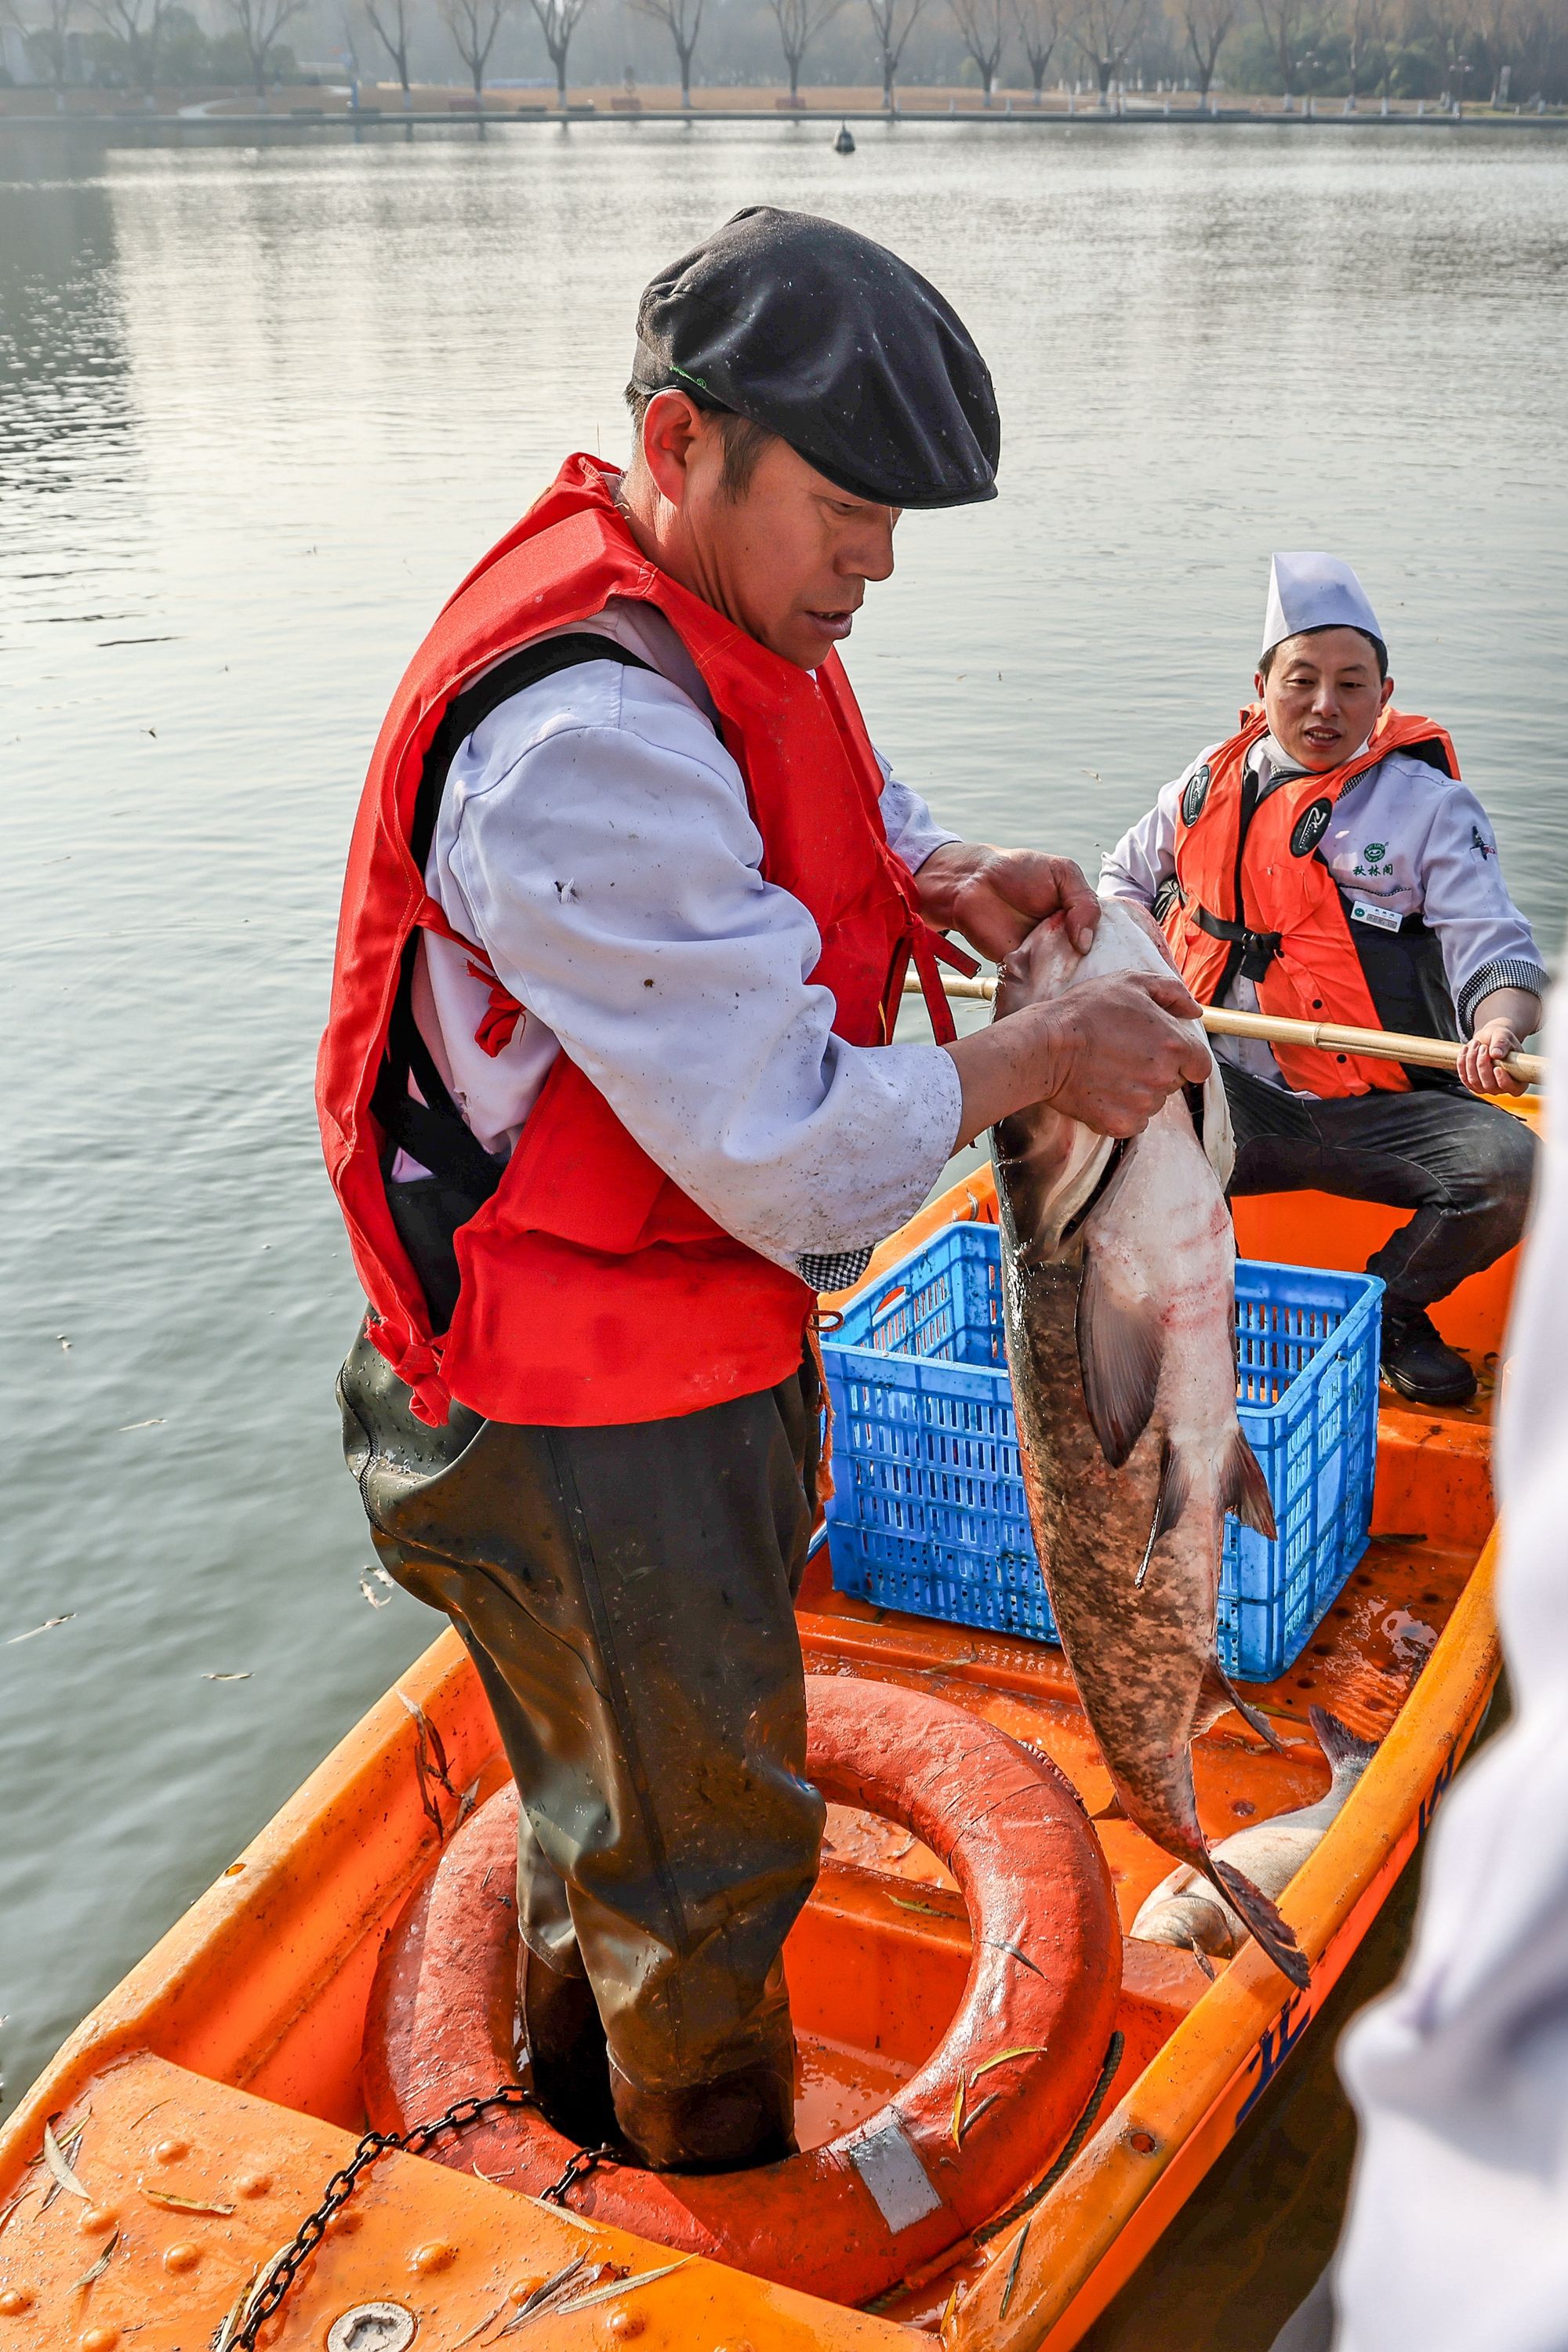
[
  {"x": 1339, "y": 1743},
  {"x": 1266, "y": 1924}
]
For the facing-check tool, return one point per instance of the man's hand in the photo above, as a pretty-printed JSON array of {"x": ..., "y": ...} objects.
[
  {"x": 996, "y": 896},
  {"x": 1503, "y": 1019},
  {"x": 1109, "y": 1056},
  {"x": 1481, "y": 1057}
]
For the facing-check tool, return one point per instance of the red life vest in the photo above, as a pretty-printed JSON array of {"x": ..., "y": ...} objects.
[
  {"x": 1254, "y": 896},
  {"x": 593, "y": 1290}
]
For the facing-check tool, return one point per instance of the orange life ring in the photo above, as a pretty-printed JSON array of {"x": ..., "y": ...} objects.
[{"x": 851, "y": 2218}]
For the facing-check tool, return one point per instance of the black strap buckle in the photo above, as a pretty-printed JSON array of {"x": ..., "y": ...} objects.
[{"x": 1258, "y": 949}]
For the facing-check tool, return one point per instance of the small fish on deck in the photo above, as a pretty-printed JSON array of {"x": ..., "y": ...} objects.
[
  {"x": 1119, "y": 1265},
  {"x": 1185, "y": 1911}
]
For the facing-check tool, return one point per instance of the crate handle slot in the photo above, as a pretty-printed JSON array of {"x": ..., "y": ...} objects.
[{"x": 886, "y": 1304}]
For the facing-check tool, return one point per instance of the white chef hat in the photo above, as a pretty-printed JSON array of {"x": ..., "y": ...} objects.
[{"x": 1312, "y": 591}]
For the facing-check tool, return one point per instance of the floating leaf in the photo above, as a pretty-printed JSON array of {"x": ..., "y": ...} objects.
[
  {"x": 958, "y": 2115},
  {"x": 931, "y": 1910},
  {"x": 950, "y": 2312},
  {"x": 100, "y": 2266},
  {"x": 126, "y": 1426},
  {"x": 47, "y": 1627},
  {"x": 182, "y": 2204},
  {"x": 55, "y": 2157},
  {"x": 244, "y": 1678}
]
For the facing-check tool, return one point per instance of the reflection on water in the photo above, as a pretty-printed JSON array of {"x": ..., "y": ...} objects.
[{"x": 259, "y": 411}]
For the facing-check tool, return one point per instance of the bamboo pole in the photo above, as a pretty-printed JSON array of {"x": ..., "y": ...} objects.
[{"x": 1381, "y": 1044}]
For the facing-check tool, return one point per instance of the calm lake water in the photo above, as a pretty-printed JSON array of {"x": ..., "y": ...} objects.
[{"x": 259, "y": 409}]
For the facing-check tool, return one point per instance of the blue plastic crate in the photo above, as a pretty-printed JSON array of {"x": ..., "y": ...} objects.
[{"x": 928, "y": 1513}]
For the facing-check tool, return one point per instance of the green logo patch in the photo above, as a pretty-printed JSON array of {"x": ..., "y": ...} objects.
[{"x": 1375, "y": 851}]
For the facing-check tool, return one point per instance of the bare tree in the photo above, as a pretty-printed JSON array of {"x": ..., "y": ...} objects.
[
  {"x": 50, "y": 37},
  {"x": 1289, "y": 28},
  {"x": 473, "y": 25},
  {"x": 260, "y": 22},
  {"x": 389, "y": 23},
  {"x": 1209, "y": 25},
  {"x": 982, "y": 28},
  {"x": 1361, "y": 21},
  {"x": 682, "y": 19},
  {"x": 1500, "y": 21},
  {"x": 799, "y": 23},
  {"x": 138, "y": 25},
  {"x": 558, "y": 20},
  {"x": 1039, "y": 23},
  {"x": 893, "y": 21},
  {"x": 1105, "y": 31}
]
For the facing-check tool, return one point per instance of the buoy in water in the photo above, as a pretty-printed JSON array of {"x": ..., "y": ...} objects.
[{"x": 845, "y": 143}]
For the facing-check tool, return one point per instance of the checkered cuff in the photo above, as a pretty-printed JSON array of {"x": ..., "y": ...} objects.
[
  {"x": 1504, "y": 971},
  {"x": 832, "y": 1269}
]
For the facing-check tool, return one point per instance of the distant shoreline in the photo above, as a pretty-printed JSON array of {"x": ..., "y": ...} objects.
[{"x": 301, "y": 107}]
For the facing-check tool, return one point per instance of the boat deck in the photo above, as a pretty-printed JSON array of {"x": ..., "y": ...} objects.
[{"x": 219, "y": 2085}]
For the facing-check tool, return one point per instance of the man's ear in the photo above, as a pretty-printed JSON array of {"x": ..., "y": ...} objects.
[
  {"x": 1387, "y": 695},
  {"x": 1258, "y": 682},
  {"x": 673, "y": 427}
]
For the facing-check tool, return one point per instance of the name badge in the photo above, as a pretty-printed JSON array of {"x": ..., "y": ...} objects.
[{"x": 1382, "y": 919}]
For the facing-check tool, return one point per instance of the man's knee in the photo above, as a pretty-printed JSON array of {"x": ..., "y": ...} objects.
[{"x": 1502, "y": 1165}]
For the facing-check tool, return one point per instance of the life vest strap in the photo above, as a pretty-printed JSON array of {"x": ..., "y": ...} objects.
[{"x": 1258, "y": 949}]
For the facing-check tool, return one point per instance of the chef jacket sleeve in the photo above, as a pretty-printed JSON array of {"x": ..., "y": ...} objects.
[
  {"x": 1485, "y": 940},
  {"x": 611, "y": 874},
  {"x": 1145, "y": 856}
]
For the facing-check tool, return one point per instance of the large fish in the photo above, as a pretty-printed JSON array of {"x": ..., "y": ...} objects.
[
  {"x": 1185, "y": 1911},
  {"x": 1118, "y": 1280}
]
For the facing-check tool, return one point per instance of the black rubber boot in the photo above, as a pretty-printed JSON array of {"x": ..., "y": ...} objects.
[
  {"x": 1419, "y": 1364},
  {"x": 745, "y": 2117},
  {"x": 567, "y": 2055}
]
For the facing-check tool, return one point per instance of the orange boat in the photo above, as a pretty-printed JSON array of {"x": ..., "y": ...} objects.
[{"x": 153, "y": 2174}]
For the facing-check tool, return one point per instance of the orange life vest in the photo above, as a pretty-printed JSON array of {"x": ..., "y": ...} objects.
[
  {"x": 1255, "y": 897},
  {"x": 592, "y": 1289}
]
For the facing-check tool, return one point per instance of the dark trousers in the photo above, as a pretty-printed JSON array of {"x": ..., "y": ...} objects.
[
  {"x": 1463, "y": 1165},
  {"x": 627, "y": 1597}
]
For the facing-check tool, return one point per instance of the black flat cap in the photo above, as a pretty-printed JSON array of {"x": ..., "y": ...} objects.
[{"x": 835, "y": 344}]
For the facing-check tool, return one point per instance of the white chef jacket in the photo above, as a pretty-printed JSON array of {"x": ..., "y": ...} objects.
[
  {"x": 1405, "y": 839},
  {"x": 594, "y": 840},
  {"x": 1457, "y": 2234}
]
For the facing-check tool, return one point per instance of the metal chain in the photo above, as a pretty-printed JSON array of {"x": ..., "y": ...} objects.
[{"x": 286, "y": 2266}]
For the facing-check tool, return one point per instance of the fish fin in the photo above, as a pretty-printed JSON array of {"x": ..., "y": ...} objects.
[
  {"x": 1199, "y": 1955},
  {"x": 1338, "y": 1742},
  {"x": 1176, "y": 1487},
  {"x": 1270, "y": 1928},
  {"x": 1119, "y": 1354},
  {"x": 1244, "y": 1489},
  {"x": 1113, "y": 1810},
  {"x": 1220, "y": 1692}
]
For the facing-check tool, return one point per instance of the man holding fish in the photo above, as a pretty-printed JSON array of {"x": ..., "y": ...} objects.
[{"x": 609, "y": 1094}]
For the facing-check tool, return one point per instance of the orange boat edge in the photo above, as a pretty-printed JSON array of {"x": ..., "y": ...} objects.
[{"x": 197, "y": 2115}]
